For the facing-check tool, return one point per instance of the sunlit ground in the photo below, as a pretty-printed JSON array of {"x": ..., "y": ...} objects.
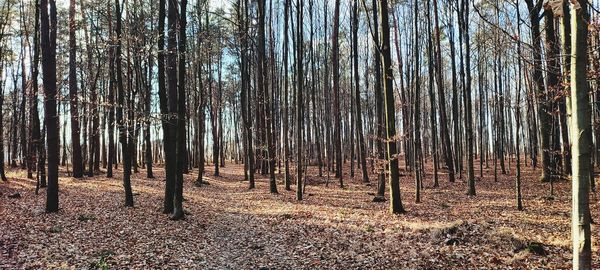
[{"x": 231, "y": 227}]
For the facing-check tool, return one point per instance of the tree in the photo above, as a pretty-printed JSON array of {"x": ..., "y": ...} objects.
[
  {"x": 467, "y": 100},
  {"x": 581, "y": 134},
  {"x": 337, "y": 140},
  {"x": 455, "y": 99},
  {"x": 37, "y": 148},
  {"x": 358, "y": 118},
  {"x": 540, "y": 90},
  {"x": 432, "y": 118},
  {"x": 379, "y": 106},
  {"x": 181, "y": 150},
  {"x": 390, "y": 111},
  {"x": 416, "y": 113},
  {"x": 299, "y": 100},
  {"x": 246, "y": 96},
  {"x": 554, "y": 89},
  {"x": 181, "y": 99},
  {"x": 4, "y": 21},
  {"x": 25, "y": 155},
  {"x": 286, "y": 147},
  {"x": 565, "y": 40},
  {"x": 76, "y": 157},
  {"x": 48, "y": 29},
  {"x": 147, "y": 122},
  {"x": 518, "y": 118},
  {"x": 215, "y": 102},
  {"x": 201, "y": 109},
  {"x": 2, "y": 173},
  {"x": 122, "y": 119},
  {"x": 444, "y": 131},
  {"x": 175, "y": 177},
  {"x": 263, "y": 89},
  {"x": 168, "y": 124},
  {"x": 111, "y": 99}
]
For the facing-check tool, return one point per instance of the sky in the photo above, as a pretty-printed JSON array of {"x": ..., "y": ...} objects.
[{"x": 213, "y": 3}]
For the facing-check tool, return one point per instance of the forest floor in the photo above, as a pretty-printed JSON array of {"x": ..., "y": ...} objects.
[{"x": 231, "y": 227}]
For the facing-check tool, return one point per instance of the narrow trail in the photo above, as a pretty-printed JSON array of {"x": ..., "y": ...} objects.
[{"x": 236, "y": 237}]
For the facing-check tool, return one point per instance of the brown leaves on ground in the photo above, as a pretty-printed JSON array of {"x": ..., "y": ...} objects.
[{"x": 231, "y": 227}]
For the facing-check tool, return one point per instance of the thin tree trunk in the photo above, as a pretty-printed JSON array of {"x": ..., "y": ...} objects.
[
  {"x": 111, "y": 102},
  {"x": 76, "y": 158},
  {"x": 299, "y": 98},
  {"x": 540, "y": 90},
  {"x": 358, "y": 116},
  {"x": 34, "y": 118},
  {"x": 336, "y": 94},
  {"x": 390, "y": 111},
  {"x": 433, "y": 119},
  {"x": 122, "y": 121},
  {"x": 468, "y": 101},
  {"x": 2, "y": 172}
]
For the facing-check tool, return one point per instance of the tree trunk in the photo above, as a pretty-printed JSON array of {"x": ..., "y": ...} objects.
[
  {"x": 111, "y": 102},
  {"x": 179, "y": 106},
  {"x": 433, "y": 119},
  {"x": 518, "y": 117},
  {"x": 286, "y": 147},
  {"x": 201, "y": 110},
  {"x": 337, "y": 140},
  {"x": 183, "y": 151},
  {"x": 34, "y": 118},
  {"x": 379, "y": 99},
  {"x": 417, "y": 110},
  {"x": 168, "y": 124},
  {"x": 76, "y": 158},
  {"x": 455, "y": 106},
  {"x": 299, "y": 100},
  {"x": 468, "y": 102},
  {"x": 122, "y": 121},
  {"x": 390, "y": 111},
  {"x": 2, "y": 173},
  {"x": 25, "y": 155},
  {"x": 48, "y": 29},
  {"x": 358, "y": 118},
  {"x": 538, "y": 80},
  {"x": 581, "y": 134},
  {"x": 262, "y": 75},
  {"x": 444, "y": 131}
]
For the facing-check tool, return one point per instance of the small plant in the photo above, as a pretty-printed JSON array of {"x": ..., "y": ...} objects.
[
  {"x": 101, "y": 264},
  {"x": 86, "y": 217},
  {"x": 369, "y": 229},
  {"x": 536, "y": 248},
  {"x": 55, "y": 229}
]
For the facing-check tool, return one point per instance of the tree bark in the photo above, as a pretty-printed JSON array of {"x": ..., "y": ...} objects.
[
  {"x": 76, "y": 158},
  {"x": 540, "y": 90},
  {"x": 178, "y": 106},
  {"x": 337, "y": 140},
  {"x": 122, "y": 121},
  {"x": 390, "y": 111},
  {"x": 48, "y": 43},
  {"x": 299, "y": 98},
  {"x": 358, "y": 116},
  {"x": 581, "y": 134}
]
